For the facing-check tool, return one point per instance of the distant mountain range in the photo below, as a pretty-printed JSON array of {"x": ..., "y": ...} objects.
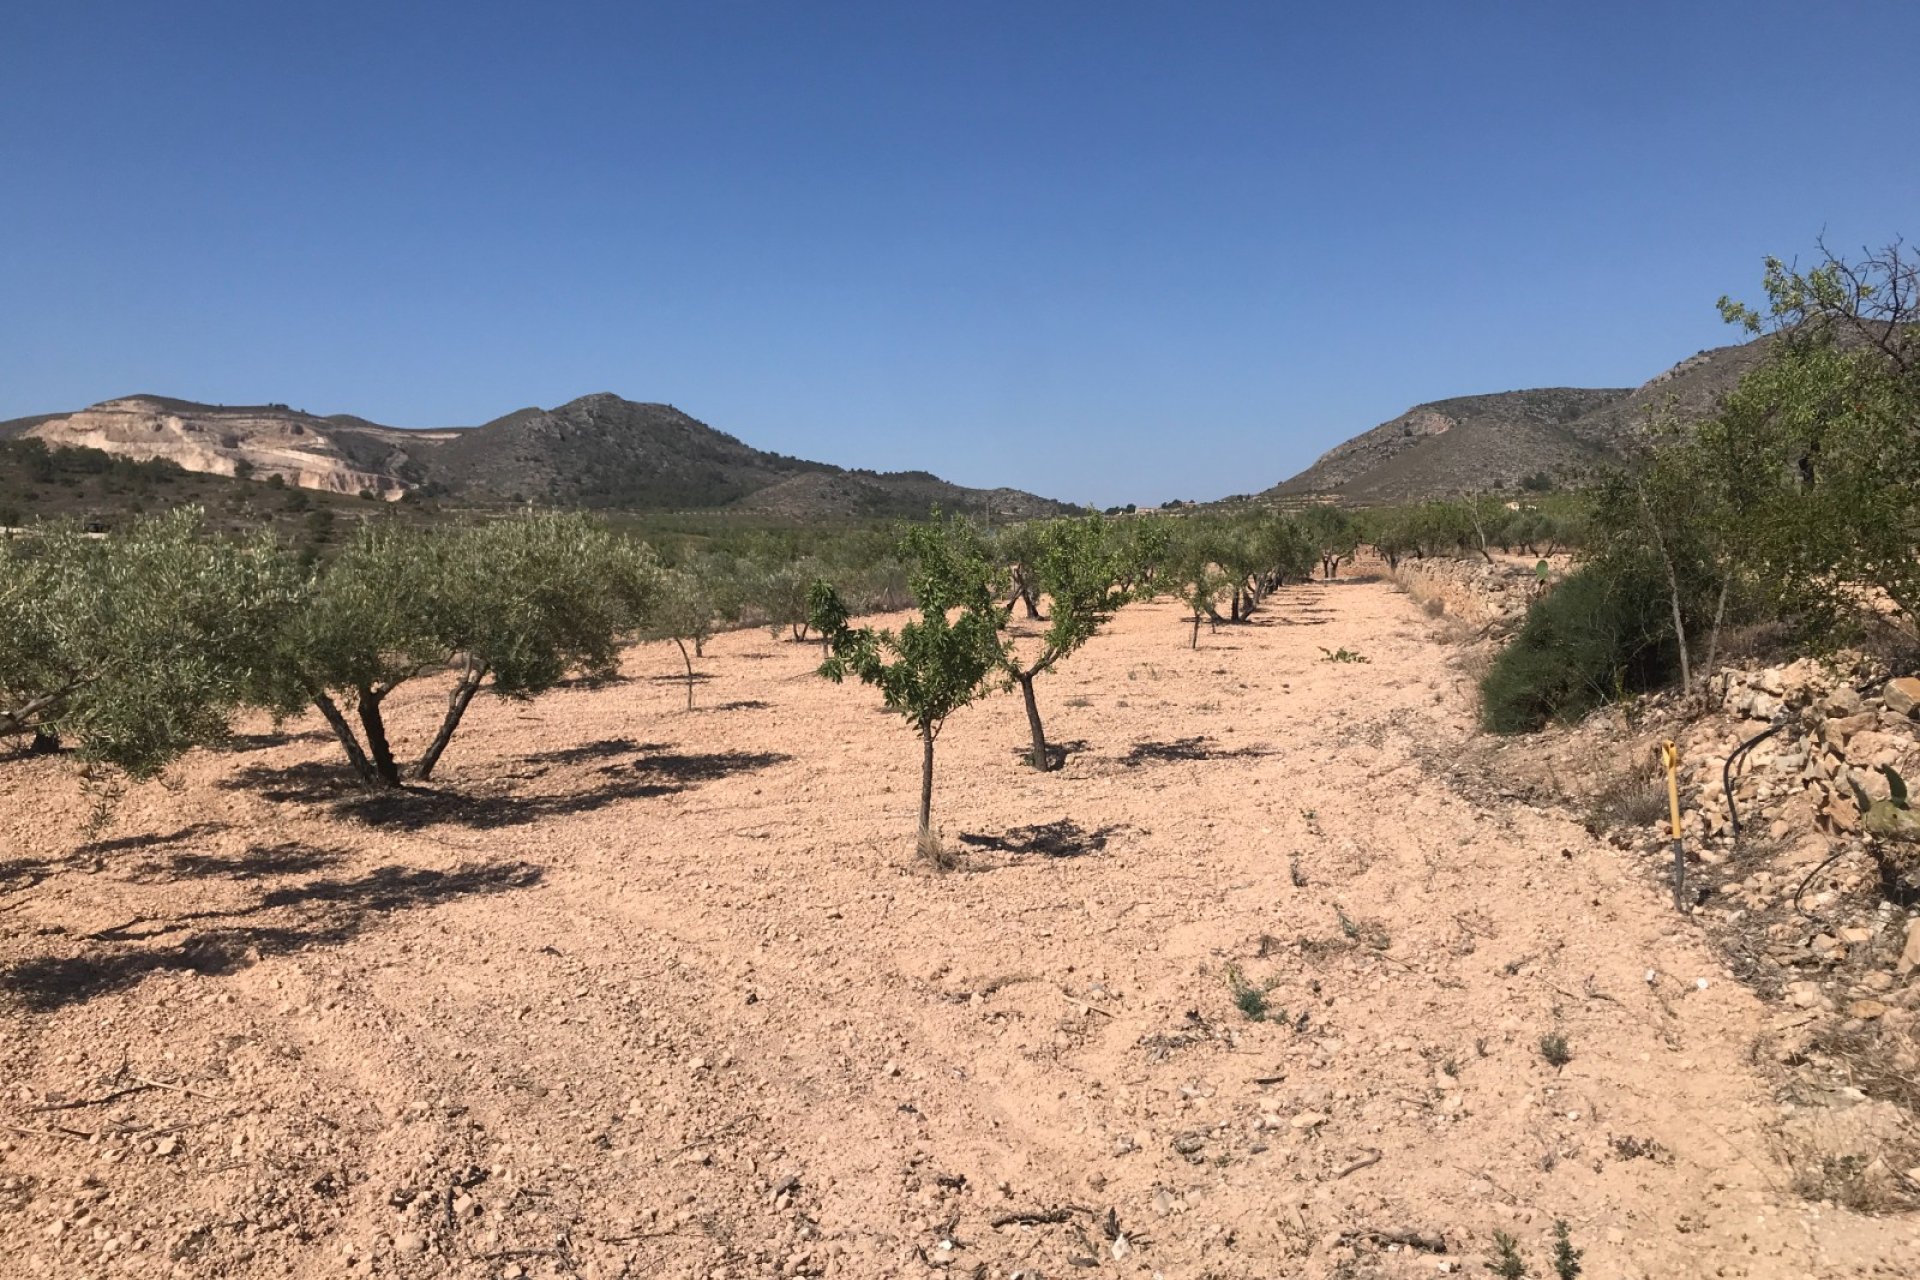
[
  {"x": 1474, "y": 444},
  {"x": 597, "y": 451}
]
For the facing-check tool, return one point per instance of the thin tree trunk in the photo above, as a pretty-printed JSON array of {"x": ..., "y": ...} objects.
[
  {"x": 1193, "y": 641},
  {"x": 344, "y": 731},
  {"x": 1713, "y": 636},
  {"x": 689, "y": 661},
  {"x": 1039, "y": 758},
  {"x": 926, "y": 779},
  {"x": 457, "y": 703},
  {"x": 378, "y": 750},
  {"x": 1673, "y": 590},
  {"x": 1679, "y": 626}
]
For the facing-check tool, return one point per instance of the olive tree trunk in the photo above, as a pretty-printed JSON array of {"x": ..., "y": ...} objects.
[{"x": 457, "y": 703}]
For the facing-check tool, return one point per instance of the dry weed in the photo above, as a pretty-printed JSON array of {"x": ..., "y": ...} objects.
[{"x": 934, "y": 852}]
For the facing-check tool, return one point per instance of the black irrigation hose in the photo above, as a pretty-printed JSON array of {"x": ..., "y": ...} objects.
[
  {"x": 1726, "y": 771},
  {"x": 1809, "y": 880}
]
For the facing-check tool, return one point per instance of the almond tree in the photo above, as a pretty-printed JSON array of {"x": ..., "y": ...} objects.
[
  {"x": 1076, "y": 566},
  {"x": 936, "y": 664}
]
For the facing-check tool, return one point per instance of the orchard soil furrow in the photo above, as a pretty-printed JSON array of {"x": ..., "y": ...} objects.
[{"x": 1253, "y": 986}]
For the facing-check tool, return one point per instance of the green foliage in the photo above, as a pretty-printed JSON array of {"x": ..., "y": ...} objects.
[
  {"x": 138, "y": 647},
  {"x": 937, "y": 663},
  {"x": 1082, "y": 570},
  {"x": 779, "y": 591},
  {"x": 1566, "y": 1258},
  {"x": 514, "y": 604},
  {"x": 1342, "y": 654},
  {"x": 1251, "y": 999},
  {"x": 1507, "y": 1262},
  {"x": 1606, "y": 631}
]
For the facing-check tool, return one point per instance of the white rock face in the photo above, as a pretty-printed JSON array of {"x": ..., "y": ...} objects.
[{"x": 298, "y": 447}]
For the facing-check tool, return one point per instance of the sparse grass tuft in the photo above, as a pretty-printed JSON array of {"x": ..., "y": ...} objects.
[
  {"x": 934, "y": 852},
  {"x": 1632, "y": 798},
  {"x": 1342, "y": 654},
  {"x": 1553, "y": 1047}
]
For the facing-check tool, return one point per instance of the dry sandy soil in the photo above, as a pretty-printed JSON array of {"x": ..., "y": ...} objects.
[{"x": 647, "y": 992}]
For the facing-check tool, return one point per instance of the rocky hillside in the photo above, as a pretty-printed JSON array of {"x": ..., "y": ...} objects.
[
  {"x": 1472, "y": 444},
  {"x": 597, "y": 451}
]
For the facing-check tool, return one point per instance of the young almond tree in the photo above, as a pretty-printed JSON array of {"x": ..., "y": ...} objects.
[
  {"x": 1077, "y": 566},
  {"x": 514, "y": 604},
  {"x": 936, "y": 664},
  {"x": 135, "y": 647}
]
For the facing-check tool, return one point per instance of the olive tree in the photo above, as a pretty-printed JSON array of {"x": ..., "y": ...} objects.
[
  {"x": 512, "y": 605},
  {"x": 685, "y": 611},
  {"x": 1333, "y": 534},
  {"x": 134, "y": 647},
  {"x": 1077, "y": 566},
  {"x": 935, "y": 664}
]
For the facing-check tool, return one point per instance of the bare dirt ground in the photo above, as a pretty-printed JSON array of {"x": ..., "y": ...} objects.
[{"x": 666, "y": 994}]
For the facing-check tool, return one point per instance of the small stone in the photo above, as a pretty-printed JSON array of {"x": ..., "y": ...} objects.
[
  {"x": 166, "y": 1146},
  {"x": 1121, "y": 1248},
  {"x": 1865, "y": 1009},
  {"x": 1804, "y": 994},
  {"x": 1910, "y": 954},
  {"x": 889, "y": 1068},
  {"x": 1309, "y": 1120},
  {"x": 1903, "y": 695},
  {"x": 409, "y": 1242}
]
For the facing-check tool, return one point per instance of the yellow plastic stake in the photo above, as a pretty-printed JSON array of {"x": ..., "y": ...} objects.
[{"x": 1670, "y": 757}]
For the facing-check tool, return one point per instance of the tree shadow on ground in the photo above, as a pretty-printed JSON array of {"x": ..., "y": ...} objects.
[
  {"x": 147, "y": 840},
  {"x": 319, "y": 913},
  {"x": 240, "y": 743},
  {"x": 594, "y": 682},
  {"x": 288, "y": 858},
  {"x": 586, "y": 751},
  {"x": 25, "y": 873},
  {"x": 739, "y": 704},
  {"x": 1057, "y": 753},
  {"x": 1063, "y": 839},
  {"x": 1196, "y": 748},
  {"x": 684, "y": 768},
  {"x": 657, "y": 772}
]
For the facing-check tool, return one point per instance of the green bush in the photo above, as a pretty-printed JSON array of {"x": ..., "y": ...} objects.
[{"x": 1605, "y": 632}]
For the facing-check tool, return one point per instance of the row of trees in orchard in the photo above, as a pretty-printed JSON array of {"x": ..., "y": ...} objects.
[
  {"x": 1797, "y": 504},
  {"x": 137, "y": 647},
  {"x": 1072, "y": 575}
]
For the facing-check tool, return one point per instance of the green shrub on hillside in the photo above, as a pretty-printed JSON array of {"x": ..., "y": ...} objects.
[{"x": 1605, "y": 632}]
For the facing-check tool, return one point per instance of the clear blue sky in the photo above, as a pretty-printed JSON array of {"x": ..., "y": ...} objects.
[{"x": 1107, "y": 251}]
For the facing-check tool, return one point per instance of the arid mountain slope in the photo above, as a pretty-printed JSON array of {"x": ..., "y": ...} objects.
[
  {"x": 344, "y": 455},
  {"x": 1475, "y": 443},
  {"x": 596, "y": 451}
]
